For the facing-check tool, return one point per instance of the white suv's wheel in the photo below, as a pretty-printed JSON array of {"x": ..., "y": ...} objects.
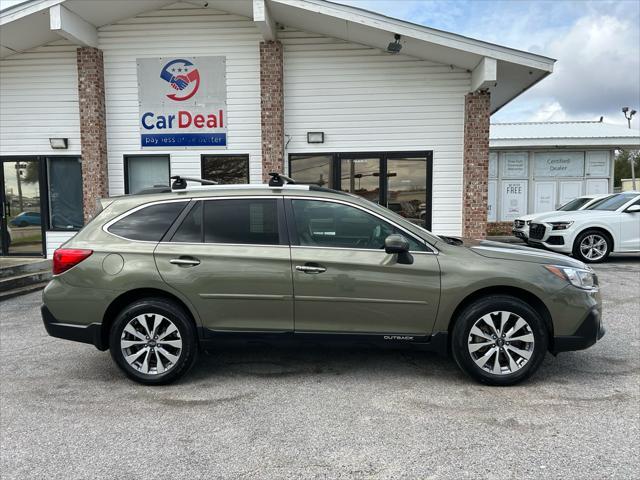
[{"x": 592, "y": 246}]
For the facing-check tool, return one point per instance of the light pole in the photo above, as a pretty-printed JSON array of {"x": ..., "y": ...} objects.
[{"x": 629, "y": 115}]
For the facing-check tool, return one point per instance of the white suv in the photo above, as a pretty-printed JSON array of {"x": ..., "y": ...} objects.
[
  {"x": 593, "y": 233},
  {"x": 521, "y": 224}
]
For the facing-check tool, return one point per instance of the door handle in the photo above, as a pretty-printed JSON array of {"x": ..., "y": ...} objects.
[
  {"x": 185, "y": 261},
  {"x": 309, "y": 268}
]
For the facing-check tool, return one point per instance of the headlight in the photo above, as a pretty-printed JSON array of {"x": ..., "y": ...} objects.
[
  {"x": 528, "y": 222},
  {"x": 561, "y": 225},
  {"x": 578, "y": 277}
]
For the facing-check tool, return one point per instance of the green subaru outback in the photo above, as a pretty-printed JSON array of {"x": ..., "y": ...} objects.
[{"x": 155, "y": 278}]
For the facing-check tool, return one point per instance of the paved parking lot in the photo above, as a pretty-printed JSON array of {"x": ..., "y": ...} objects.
[{"x": 67, "y": 412}]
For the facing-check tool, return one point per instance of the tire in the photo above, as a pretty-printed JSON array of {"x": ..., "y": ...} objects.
[
  {"x": 161, "y": 357},
  {"x": 513, "y": 365},
  {"x": 593, "y": 254}
]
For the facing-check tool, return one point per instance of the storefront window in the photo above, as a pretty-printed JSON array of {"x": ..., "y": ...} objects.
[
  {"x": 226, "y": 169},
  {"x": 361, "y": 176},
  {"x": 65, "y": 193},
  {"x": 407, "y": 188},
  {"x": 143, "y": 172},
  {"x": 312, "y": 169},
  {"x": 400, "y": 181}
]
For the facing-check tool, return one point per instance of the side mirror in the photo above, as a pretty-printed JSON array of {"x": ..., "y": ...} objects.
[
  {"x": 397, "y": 244},
  {"x": 633, "y": 209}
]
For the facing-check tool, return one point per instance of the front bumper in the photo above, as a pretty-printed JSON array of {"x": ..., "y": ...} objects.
[
  {"x": 588, "y": 333},
  {"x": 91, "y": 333},
  {"x": 556, "y": 240}
]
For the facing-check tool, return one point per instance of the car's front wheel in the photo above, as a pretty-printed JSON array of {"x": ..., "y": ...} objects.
[
  {"x": 499, "y": 340},
  {"x": 592, "y": 246},
  {"x": 153, "y": 341}
]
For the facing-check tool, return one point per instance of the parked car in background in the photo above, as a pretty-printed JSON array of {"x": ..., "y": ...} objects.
[
  {"x": 26, "y": 219},
  {"x": 155, "y": 277},
  {"x": 521, "y": 224},
  {"x": 611, "y": 225}
]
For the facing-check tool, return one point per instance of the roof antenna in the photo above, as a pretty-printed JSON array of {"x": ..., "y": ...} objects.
[{"x": 278, "y": 180}]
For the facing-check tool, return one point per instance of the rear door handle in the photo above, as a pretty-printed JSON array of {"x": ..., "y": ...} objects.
[
  {"x": 185, "y": 261},
  {"x": 311, "y": 268}
]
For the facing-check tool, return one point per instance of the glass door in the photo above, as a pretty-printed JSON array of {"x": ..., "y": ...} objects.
[
  {"x": 361, "y": 175},
  {"x": 407, "y": 180},
  {"x": 21, "y": 229}
]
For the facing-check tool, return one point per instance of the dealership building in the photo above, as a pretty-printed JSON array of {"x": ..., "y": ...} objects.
[
  {"x": 534, "y": 167},
  {"x": 99, "y": 100}
]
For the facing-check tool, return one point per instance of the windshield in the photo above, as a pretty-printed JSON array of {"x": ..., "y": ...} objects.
[
  {"x": 612, "y": 203},
  {"x": 574, "y": 204}
]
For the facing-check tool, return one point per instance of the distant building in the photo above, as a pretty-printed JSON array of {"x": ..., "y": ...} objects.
[{"x": 536, "y": 166}]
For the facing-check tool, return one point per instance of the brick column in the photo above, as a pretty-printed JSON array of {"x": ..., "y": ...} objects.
[
  {"x": 272, "y": 107},
  {"x": 476, "y": 165},
  {"x": 93, "y": 127}
]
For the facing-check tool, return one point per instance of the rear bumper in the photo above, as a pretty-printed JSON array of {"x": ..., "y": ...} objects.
[
  {"x": 91, "y": 333},
  {"x": 589, "y": 332}
]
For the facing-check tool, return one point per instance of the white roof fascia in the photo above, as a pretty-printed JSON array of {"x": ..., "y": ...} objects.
[
  {"x": 25, "y": 9},
  {"x": 263, "y": 20},
  {"x": 72, "y": 27},
  {"x": 612, "y": 142},
  {"x": 420, "y": 32},
  {"x": 485, "y": 74}
]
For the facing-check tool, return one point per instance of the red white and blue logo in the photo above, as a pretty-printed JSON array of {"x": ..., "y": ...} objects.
[{"x": 183, "y": 76}]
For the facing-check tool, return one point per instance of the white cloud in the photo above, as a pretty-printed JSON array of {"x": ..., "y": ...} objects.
[{"x": 598, "y": 68}]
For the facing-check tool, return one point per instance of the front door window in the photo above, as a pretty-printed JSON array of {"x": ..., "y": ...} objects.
[{"x": 21, "y": 229}]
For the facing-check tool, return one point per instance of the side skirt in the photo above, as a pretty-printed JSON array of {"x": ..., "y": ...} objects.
[{"x": 438, "y": 342}]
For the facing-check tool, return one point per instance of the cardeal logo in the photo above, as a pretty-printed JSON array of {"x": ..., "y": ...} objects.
[
  {"x": 182, "y": 102},
  {"x": 183, "y": 76}
]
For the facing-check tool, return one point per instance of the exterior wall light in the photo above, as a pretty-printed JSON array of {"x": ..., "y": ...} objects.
[
  {"x": 59, "y": 143},
  {"x": 315, "y": 137}
]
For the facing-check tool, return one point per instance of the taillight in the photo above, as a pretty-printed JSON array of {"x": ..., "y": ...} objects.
[{"x": 65, "y": 258}]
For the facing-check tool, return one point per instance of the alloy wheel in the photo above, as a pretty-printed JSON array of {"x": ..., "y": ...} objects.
[
  {"x": 593, "y": 246},
  {"x": 501, "y": 342},
  {"x": 151, "y": 343}
]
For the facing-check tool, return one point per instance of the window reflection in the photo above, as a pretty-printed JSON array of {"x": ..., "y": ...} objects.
[
  {"x": 312, "y": 169},
  {"x": 362, "y": 177},
  {"x": 407, "y": 188}
]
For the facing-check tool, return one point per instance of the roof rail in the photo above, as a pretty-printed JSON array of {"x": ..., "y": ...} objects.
[
  {"x": 279, "y": 180},
  {"x": 180, "y": 183}
]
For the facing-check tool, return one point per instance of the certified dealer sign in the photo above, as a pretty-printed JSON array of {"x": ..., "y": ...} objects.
[{"x": 183, "y": 102}]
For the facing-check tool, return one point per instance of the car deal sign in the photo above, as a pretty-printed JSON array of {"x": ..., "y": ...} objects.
[{"x": 183, "y": 102}]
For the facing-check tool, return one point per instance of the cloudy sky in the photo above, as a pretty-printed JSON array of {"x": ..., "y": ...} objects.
[{"x": 596, "y": 43}]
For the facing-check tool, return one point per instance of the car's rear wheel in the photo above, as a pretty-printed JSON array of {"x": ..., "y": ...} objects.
[
  {"x": 153, "y": 341},
  {"x": 592, "y": 246},
  {"x": 499, "y": 340}
]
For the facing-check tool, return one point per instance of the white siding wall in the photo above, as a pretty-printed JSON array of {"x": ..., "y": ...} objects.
[
  {"x": 367, "y": 100},
  {"x": 55, "y": 239},
  {"x": 181, "y": 30},
  {"x": 39, "y": 100}
]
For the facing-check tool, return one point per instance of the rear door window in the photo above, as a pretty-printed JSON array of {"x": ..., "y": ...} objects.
[
  {"x": 149, "y": 223},
  {"x": 242, "y": 221}
]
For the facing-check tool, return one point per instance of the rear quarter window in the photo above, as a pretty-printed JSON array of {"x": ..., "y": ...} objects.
[{"x": 149, "y": 223}]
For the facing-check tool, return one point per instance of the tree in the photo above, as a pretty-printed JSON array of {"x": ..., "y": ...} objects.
[{"x": 623, "y": 166}]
